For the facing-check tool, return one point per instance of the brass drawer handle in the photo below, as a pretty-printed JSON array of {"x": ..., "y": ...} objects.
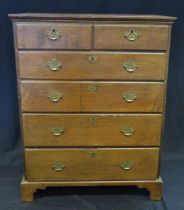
[
  {"x": 127, "y": 131},
  {"x": 53, "y": 33},
  {"x": 129, "y": 97},
  {"x": 92, "y": 58},
  {"x": 55, "y": 96},
  {"x": 130, "y": 66},
  {"x": 58, "y": 166},
  {"x": 57, "y": 131},
  {"x": 93, "y": 88},
  {"x": 127, "y": 165},
  {"x": 132, "y": 34},
  {"x": 54, "y": 65}
]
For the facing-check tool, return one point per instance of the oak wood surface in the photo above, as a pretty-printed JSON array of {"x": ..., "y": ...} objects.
[
  {"x": 34, "y": 36},
  {"x": 77, "y": 96},
  {"x": 81, "y": 130},
  {"x": 79, "y": 164},
  {"x": 76, "y": 66},
  {"x": 112, "y": 37}
]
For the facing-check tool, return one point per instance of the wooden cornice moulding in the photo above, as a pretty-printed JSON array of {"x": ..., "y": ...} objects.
[{"x": 92, "y": 17}]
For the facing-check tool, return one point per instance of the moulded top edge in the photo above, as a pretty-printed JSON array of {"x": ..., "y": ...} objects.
[{"x": 72, "y": 16}]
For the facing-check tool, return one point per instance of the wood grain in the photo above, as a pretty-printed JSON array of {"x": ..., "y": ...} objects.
[
  {"x": 77, "y": 97},
  {"x": 108, "y": 97},
  {"x": 152, "y": 37},
  {"x": 80, "y": 131},
  {"x": 109, "y": 65},
  {"x": 81, "y": 166},
  {"x": 34, "y": 96},
  {"x": 34, "y": 36}
]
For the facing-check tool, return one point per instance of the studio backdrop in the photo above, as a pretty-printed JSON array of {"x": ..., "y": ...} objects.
[{"x": 9, "y": 117}]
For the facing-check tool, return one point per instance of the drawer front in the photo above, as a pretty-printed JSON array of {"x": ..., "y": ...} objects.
[
  {"x": 92, "y": 65},
  {"x": 53, "y": 36},
  {"x": 92, "y": 97},
  {"x": 91, "y": 164},
  {"x": 91, "y": 130},
  {"x": 49, "y": 96},
  {"x": 131, "y": 37},
  {"x": 122, "y": 97}
]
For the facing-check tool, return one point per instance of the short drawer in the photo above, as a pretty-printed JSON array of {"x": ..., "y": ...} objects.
[
  {"x": 91, "y": 129},
  {"x": 91, "y": 164},
  {"x": 131, "y": 37},
  {"x": 92, "y": 65},
  {"x": 41, "y": 96},
  {"x": 53, "y": 36}
]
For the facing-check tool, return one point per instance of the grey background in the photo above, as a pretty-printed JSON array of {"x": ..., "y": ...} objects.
[{"x": 92, "y": 198}]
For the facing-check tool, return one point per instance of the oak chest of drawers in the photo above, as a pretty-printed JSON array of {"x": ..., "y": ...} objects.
[{"x": 92, "y": 99}]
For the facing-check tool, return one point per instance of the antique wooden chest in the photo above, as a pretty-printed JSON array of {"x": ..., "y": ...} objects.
[{"x": 92, "y": 92}]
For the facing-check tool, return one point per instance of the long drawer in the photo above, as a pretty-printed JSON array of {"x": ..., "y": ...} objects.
[
  {"x": 131, "y": 37},
  {"x": 50, "y": 96},
  {"x": 53, "y": 36},
  {"x": 91, "y": 129},
  {"x": 92, "y": 65},
  {"x": 91, "y": 164}
]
